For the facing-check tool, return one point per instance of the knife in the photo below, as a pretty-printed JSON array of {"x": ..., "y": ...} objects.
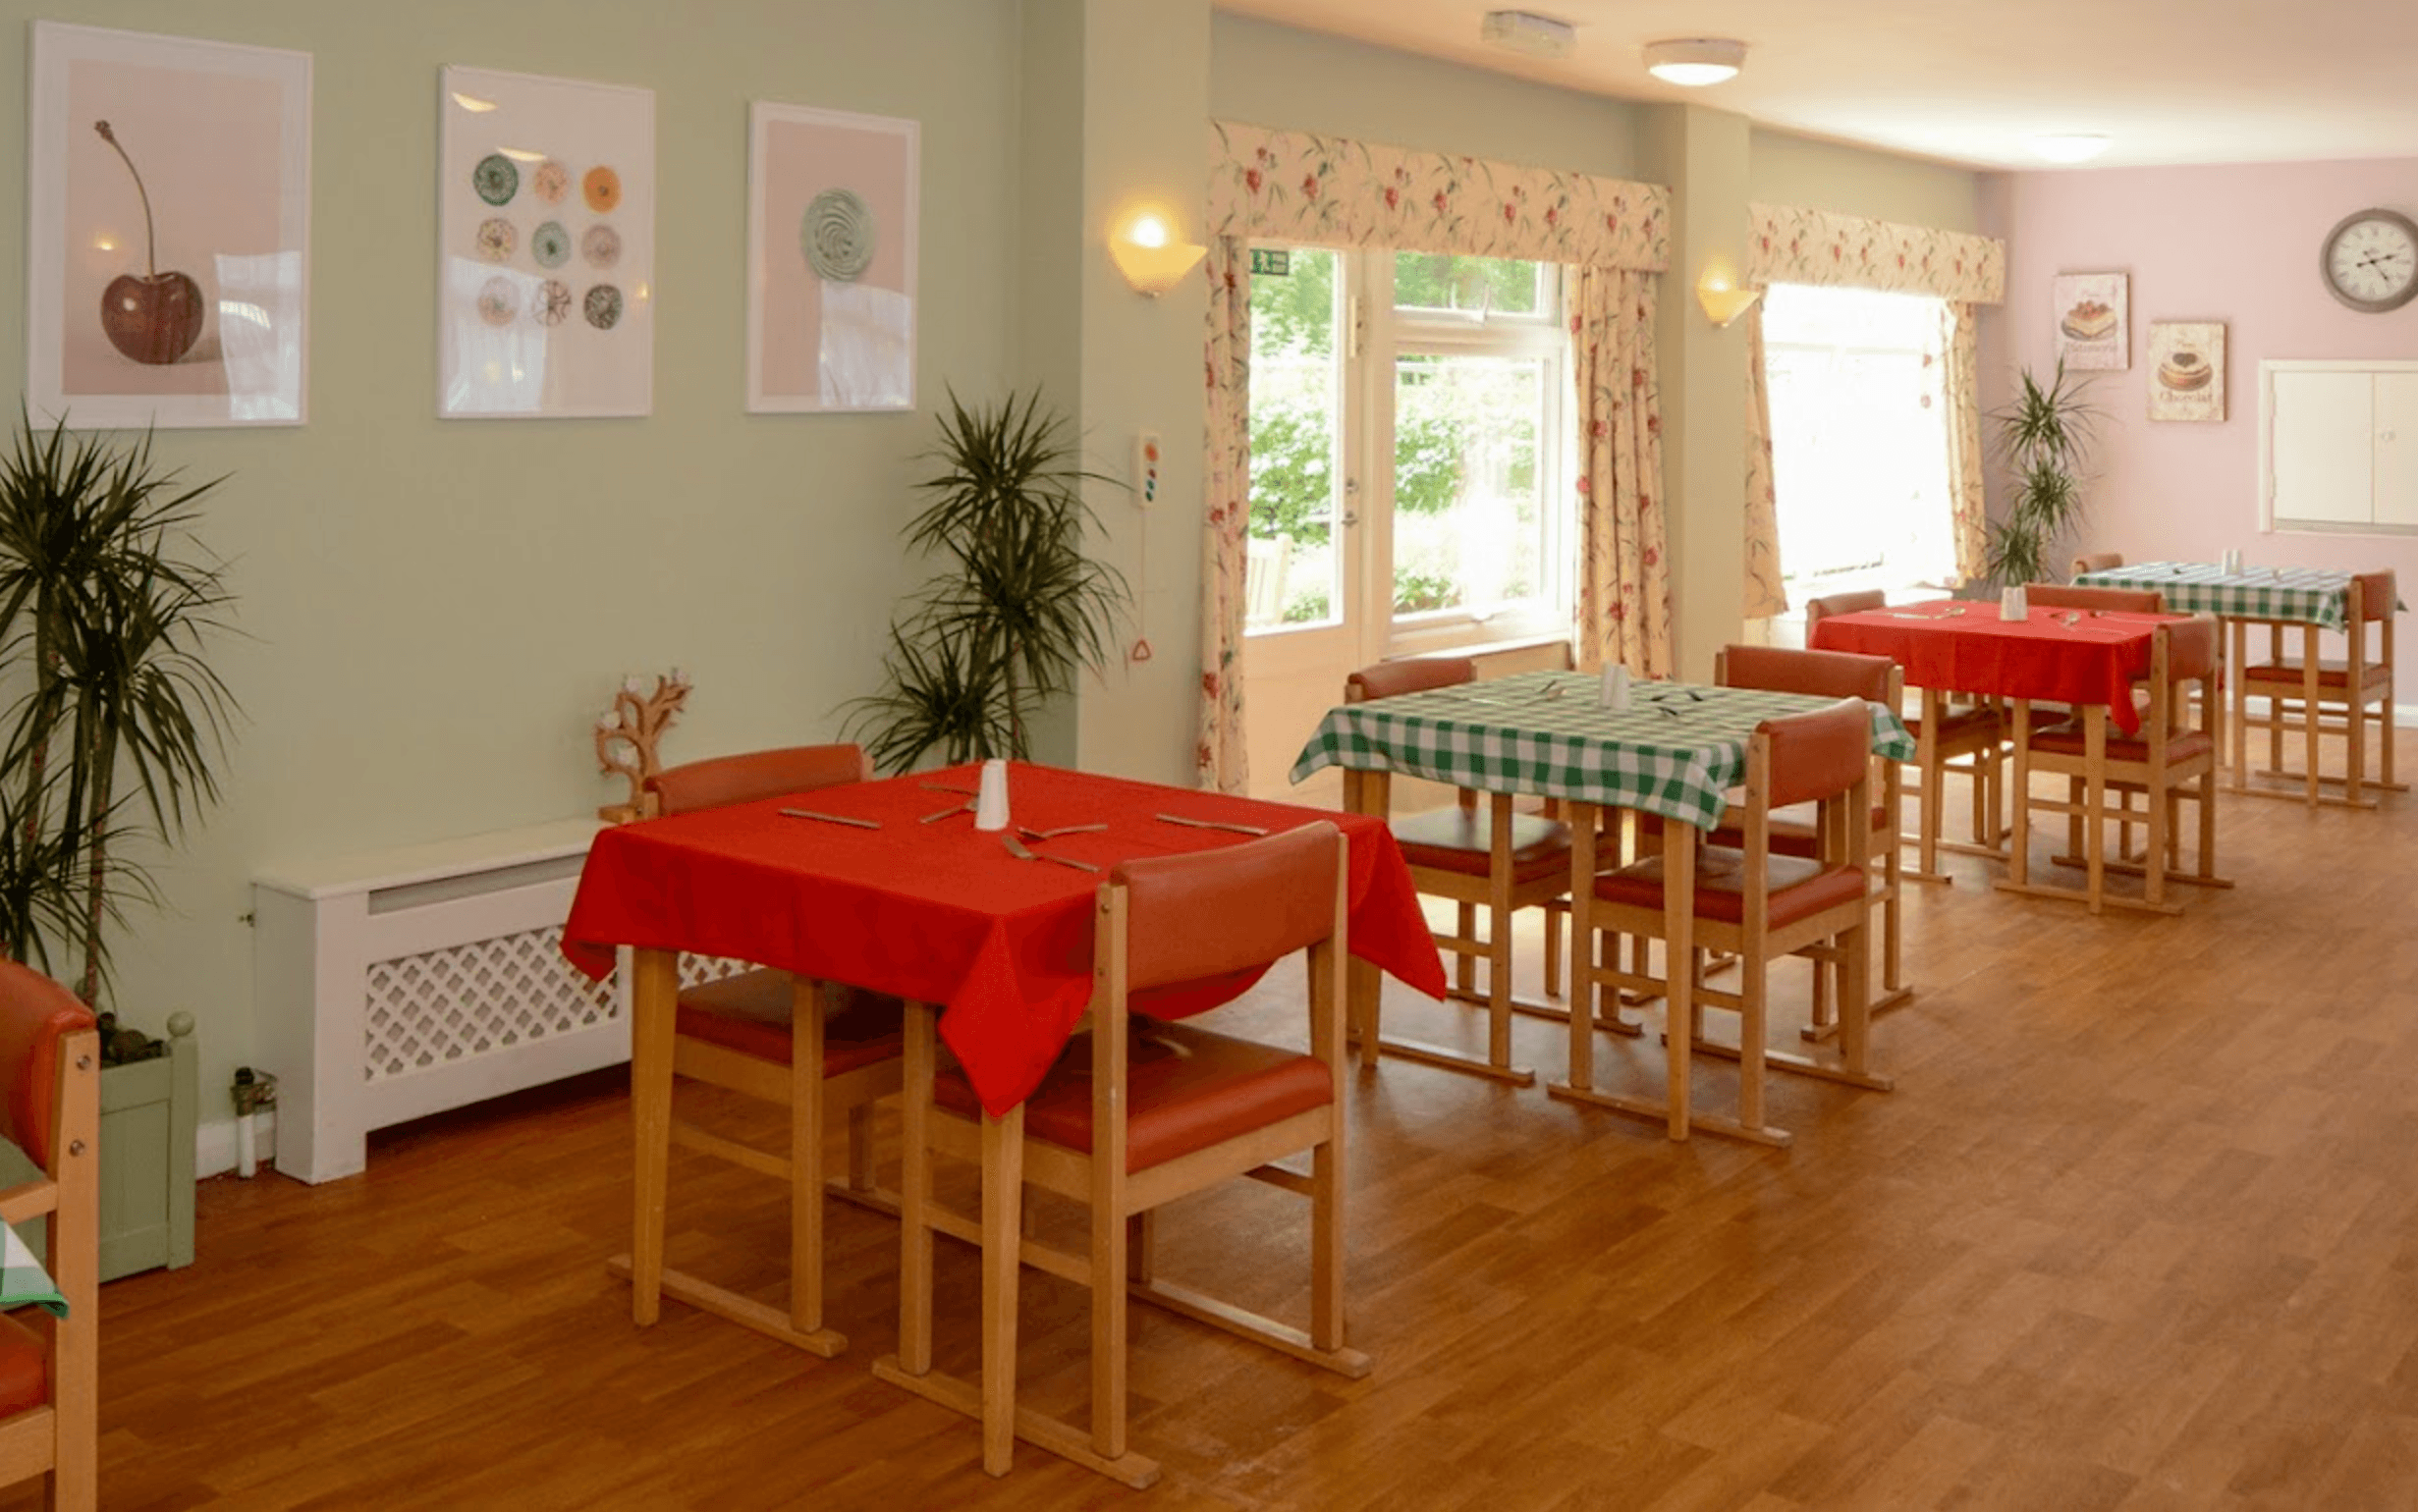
[{"x": 1212, "y": 823}]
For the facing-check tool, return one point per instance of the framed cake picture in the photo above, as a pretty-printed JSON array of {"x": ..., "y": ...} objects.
[
  {"x": 2186, "y": 370},
  {"x": 2093, "y": 324}
]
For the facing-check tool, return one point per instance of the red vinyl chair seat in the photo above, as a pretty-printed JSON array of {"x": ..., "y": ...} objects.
[
  {"x": 2069, "y": 739},
  {"x": 1976, "y": 723},
  {"x": 2331, "y": 672},
  {"x": 1794, "y": 831},
  {"x": 750, "y": 1014},
  {"x": 25, "y": 1369},
  {"x": 1457, "y": 839},
  {"x": 1797, "y": 887},
  {"x": 1186, "y": 1089}
]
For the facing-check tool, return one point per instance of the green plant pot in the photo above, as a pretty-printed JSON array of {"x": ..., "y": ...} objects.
[{"x": 148, "y": 1112}]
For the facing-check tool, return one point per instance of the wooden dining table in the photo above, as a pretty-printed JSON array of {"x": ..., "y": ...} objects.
[
  {"x": 1675, "y": 751},
  {"x": 2086, "y": 659},
  {"x": 887, "y": 886},
  {"x": 2286, "y": 600}
]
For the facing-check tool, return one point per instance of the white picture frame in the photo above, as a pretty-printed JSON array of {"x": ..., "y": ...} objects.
[
  {"x": 168, "y": 259},
  {"x": 2094, "y": 321},
  {"x": 832, "y": 213},
  {"x": 545, "y": 247},
  {"x": 2186, "y": 370}
]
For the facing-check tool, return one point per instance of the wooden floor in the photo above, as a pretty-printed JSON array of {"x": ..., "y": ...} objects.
[{"x": 2138, "y": 1229}]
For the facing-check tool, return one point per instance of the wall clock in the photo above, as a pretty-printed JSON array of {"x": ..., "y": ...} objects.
[{"x": 2370, "y": 260}]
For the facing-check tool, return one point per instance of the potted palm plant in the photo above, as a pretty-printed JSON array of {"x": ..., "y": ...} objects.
[
  {"x": 107, "y": 606},
  {"x": 2041, "y": 436},
  {"x": 1020, "y": 609}
]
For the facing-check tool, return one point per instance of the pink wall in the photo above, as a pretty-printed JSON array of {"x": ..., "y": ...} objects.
[{"x": 2237, "y": 245}]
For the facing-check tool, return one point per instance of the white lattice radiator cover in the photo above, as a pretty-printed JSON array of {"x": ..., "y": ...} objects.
[{"x": 400, "y": 985}]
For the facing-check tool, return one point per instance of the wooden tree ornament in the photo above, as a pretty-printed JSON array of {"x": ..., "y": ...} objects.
[{"x": 627, "y": 736}]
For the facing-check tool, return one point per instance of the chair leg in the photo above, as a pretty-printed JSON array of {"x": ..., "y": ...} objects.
[
  {"x": 1557, "y": 921},
  {"x": 1111, "y": 1241},
  {"x": 1466, "y": 967},
  {"x": 1751, "y": 982},
  {"x": 916, "y": 1194},
  {"x": 1327, "y": 1241}
]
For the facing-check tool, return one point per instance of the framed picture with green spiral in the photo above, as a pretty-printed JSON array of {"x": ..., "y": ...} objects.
[{"x": 831, "y": 260}]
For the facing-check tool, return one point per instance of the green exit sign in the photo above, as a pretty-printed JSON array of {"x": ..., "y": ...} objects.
[{"x": 1270, "y": 262}]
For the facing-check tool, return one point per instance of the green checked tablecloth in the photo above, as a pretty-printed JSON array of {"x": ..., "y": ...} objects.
[
  {"x": 1675, "y": 752},
  {"x": 2319, "y": 596},
  {"x": 23, "y": 1278}
]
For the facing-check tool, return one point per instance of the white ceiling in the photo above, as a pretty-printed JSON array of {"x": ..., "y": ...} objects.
[{"x": 1966, "y": 81}]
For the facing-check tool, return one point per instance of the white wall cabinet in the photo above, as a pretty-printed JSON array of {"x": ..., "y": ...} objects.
[{"x": 2338, "y": 446}]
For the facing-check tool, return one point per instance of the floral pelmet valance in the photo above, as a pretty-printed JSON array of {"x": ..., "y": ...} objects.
[
  {"x": 1788, "y": 246},
  {"x": 1297, "y": 186}
]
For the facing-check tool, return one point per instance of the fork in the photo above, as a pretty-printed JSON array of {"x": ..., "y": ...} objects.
[{"x": 1022, "y": 852}]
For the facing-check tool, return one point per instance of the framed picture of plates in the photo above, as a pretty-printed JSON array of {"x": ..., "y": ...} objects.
[
  {"x": 831, "y": 260},
  {"x": 545, "y": 247},
  {"x": 2186, "y": 370},
  {"x": 2093, "y": 325},
  {"x": 168, "y": 231}
]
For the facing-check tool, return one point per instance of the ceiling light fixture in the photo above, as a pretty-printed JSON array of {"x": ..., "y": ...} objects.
[
  {"x": 1695, "y": 61},
  {"x": 1522, "y": 31},
  {"x": 2070, "y": 146}
]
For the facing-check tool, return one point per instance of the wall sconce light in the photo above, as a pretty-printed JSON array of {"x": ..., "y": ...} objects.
[
  {"x": 1148, "y": 254},
  {"x": 1723, "y": 299}
]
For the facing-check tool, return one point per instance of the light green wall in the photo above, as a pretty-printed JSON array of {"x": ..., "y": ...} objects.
[
  {"x": 1268, "y": 74},
  {"x": 434, "y": 613},
  {"x": 1784, "y": 168}
]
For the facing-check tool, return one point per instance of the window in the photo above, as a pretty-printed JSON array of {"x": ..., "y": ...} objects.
[
  {"x": 1410, "y": 448},
  {"x": 1859, "y": 439}
]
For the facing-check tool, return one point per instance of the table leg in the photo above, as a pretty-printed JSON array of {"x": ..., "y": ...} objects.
[
  {"x": 1679, "y": 957},
  {"x": 1003, "y": 1243},
  {"x": 916, "y": 1192},
  {"x": 655, "y": 991},
  {"x": 2094, "y": 800},
  {"x": 1927, "y": 758},
  {"x": 1583, "y": 821},
  {"x": 2019, "y": 804},
  {"x": 2238, "y": 701},
  {"x": 2309, "y": 670}
]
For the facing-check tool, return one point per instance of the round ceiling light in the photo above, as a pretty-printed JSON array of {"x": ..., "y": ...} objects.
[
  {"x": 2070, "y": 146},
  {"x": 1695, "y": 61}
]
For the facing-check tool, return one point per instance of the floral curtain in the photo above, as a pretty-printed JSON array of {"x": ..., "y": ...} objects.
[
  {"x": 1766, "y": 595},
  {"x": 1297, "y": 185},
  {"x": 1219, "y": 753},
  {"x": 1623, "y": 584},
  {"x": 1969, "y": 523},
  {"x": 1786, "y": 246},
  {"x": 1790, "y": 245}
]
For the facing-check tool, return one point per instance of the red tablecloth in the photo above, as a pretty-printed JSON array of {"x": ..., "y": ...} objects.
[
  {"x": 941, "y": 912},
  {"x": 2093, "y": 660}
]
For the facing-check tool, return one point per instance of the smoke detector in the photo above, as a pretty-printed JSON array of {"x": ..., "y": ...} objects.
[{"x": 1520, "y": 31}]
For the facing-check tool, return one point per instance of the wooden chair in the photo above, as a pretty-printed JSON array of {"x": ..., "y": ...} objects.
[
  {"x": 49, "y": 1390},
  {"x": 2175, "y": 756},
  {"x": 1795, "y": 830},
  {"x": 2114, "y": 601},
  {"x": 1966, "y": 739},
  {"x": 1762, "y": 904},
  {"x": 2098, "y": 561},
  {"x": 1137, "y": 1112},
  {"x": 818, "y": 1048},
  {"x": 2343, "y": 687},
  {"x": 1503, "y": 863}
]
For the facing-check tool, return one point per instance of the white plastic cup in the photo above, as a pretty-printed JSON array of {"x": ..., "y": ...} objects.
[
  {"x": 1613, "y": 693},
  {"x": 991, "y": 797},
  {"x": 2012, "y": 607},
  {"x": 2232, "y": 561}
]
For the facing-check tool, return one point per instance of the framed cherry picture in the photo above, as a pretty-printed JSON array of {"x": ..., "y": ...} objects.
[{"x": 168, "y": 196}]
